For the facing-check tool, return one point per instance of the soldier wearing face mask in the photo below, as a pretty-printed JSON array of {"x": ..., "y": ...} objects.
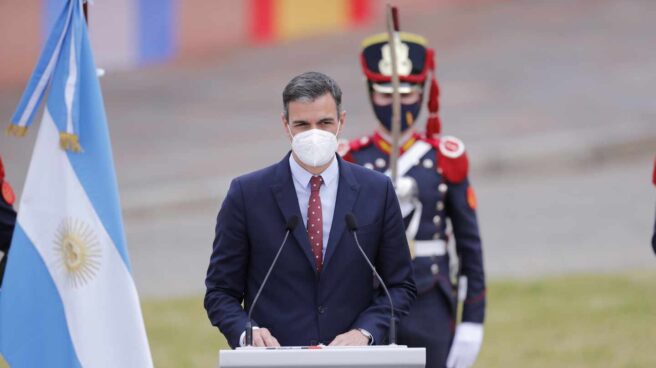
[{"x": 437, "y": 202}]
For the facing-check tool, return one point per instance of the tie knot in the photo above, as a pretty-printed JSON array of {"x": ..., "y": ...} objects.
[{"x": 315, "y": 183}]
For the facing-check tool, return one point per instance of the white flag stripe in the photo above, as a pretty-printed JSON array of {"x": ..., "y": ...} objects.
[
  {"x": 69, "y": 91},
  {"x": 45, "y": 78},
  {"x": 102, "y": 314}
]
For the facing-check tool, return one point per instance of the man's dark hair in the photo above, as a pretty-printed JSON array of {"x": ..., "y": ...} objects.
[{"x": 308, "y": 87}]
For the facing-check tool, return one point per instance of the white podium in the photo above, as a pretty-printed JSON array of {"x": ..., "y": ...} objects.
[{"x": 398, "y": 356}]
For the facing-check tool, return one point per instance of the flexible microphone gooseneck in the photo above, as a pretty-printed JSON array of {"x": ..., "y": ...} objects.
[
  {"x": 291, "y": 224},
  {"x": 352, "y": 225}
]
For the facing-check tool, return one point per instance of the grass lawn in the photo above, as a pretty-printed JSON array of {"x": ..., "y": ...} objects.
[{"x": 572, "y": 321}]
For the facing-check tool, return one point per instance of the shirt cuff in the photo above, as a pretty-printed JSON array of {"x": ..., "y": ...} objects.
[{"x": 367, "y": 335}]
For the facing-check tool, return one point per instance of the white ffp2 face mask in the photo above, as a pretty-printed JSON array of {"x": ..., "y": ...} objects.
[{"x": 314, "y": 147}]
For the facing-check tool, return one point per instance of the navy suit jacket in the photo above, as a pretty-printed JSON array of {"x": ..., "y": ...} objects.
[{"x": 298, "y": 305}]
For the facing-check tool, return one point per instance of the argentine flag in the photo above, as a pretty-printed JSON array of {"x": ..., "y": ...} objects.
[{"x": 68, "y": 297}]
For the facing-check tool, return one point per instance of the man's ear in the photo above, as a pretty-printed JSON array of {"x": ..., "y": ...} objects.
[
  {"x": 285, "y": 125},
  {"x": 342, "y": 119}
]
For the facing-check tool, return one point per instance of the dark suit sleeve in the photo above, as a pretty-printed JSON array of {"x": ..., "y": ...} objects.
[
  {"x": 227, "y": 271},
  {"x": 395, "y": 267},
  {"x": 470, "y": 253}
]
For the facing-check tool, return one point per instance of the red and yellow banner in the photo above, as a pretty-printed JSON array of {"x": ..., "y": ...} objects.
[{"x": 275, "y": 20}]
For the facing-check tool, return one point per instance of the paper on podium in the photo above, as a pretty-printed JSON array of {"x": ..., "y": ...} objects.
[{"x": 399, "y": 356}]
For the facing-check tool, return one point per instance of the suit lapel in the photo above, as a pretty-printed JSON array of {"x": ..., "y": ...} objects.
[
  {"x": 347, "y": 193},
  {"x": 285, "y": 194}
]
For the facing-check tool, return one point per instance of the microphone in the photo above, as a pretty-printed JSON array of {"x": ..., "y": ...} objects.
[
  {"x": 292, "y": 221},
  {"x": 352, "y": 225}
]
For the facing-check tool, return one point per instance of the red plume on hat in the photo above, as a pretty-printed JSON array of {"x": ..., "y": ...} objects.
[{"x": 434, "y": 125}]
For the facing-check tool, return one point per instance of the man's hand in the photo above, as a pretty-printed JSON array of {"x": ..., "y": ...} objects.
[
  {"x": 262, "y": 337},
  {"x": 351, "y": 338},
  {"x": 466, "y": 345}
]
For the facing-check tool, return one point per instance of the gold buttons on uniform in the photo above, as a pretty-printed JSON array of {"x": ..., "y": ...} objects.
[
  {"x": 437, "y": 219},
  {"x": 442, "y": 188}
]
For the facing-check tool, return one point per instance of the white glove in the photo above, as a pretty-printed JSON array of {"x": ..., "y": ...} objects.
[
  {"x": 466, "y": 345},
  {"x": 406, "y": 191}
]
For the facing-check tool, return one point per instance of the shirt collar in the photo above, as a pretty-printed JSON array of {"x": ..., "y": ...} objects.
[{"x": 303, "y": 177}]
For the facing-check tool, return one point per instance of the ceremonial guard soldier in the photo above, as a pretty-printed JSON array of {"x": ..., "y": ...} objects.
[
  {"x": 7, "y": 219},
  {"x": 437, "y": 202}
]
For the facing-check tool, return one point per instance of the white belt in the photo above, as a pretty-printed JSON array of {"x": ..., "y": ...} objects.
[{"x": 427, "y": 248}]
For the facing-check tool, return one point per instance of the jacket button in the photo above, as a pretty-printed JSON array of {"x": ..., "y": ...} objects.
[
  {"x": 435, "y": 269},
  {"x": 321, "y": 309}
]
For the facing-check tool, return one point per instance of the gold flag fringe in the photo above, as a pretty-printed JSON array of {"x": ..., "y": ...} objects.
[
  {"x": 69, "y": 142},
  {"x": 16, "y": 130}
]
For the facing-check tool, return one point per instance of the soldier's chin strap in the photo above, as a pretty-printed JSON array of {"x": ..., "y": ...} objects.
[{"x": 433, "y": 126}]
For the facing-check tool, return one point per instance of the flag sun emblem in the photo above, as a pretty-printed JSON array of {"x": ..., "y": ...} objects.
[{"x": 79, "y": 251}]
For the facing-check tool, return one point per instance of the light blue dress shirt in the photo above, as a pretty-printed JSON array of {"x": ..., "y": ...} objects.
[{"x": 328, "y": 193}]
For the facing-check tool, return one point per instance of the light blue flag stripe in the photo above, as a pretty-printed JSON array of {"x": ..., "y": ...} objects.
[
  {"x": 95, "y": 167},
  {"x": 42, "y": 73},
  {"x": 34, "y": 288},
  {"x": 63, "y": 101}
]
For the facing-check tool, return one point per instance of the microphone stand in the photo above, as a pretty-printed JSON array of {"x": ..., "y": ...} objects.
[
  {"x": 291, "y": 224},
  {"x": 352, "y": 226}
]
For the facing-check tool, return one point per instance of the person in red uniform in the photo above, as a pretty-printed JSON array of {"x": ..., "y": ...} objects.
[
  {"x": 437, "y": 202},
  {"x": 7, "y": 219}
]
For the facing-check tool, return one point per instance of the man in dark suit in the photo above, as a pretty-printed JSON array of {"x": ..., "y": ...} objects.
[
  {"x": 7, "y": 219},
  {"x": 321, "y": 290}
]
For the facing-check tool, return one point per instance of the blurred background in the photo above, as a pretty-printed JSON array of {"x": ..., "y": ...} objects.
[{"x": 553, "y": 99}]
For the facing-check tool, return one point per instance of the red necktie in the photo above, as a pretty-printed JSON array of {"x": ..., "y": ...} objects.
[{"x": 315, "y": 221}]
